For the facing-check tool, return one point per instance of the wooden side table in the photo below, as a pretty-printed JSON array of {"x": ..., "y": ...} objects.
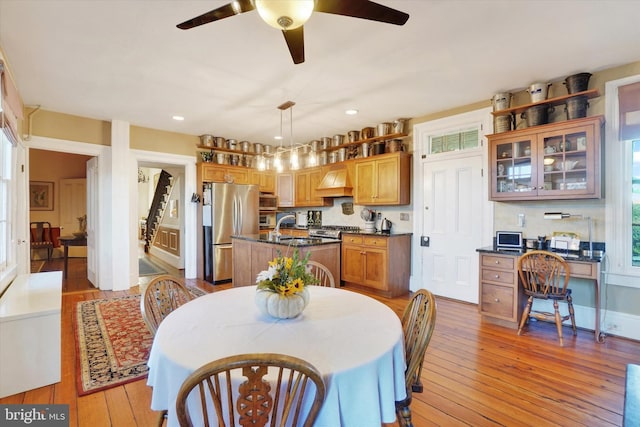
[{"x": 67, "y": 241}]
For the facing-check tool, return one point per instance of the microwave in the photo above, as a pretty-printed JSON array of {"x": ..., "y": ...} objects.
[
  {"x": 268, "y": 202},
  {"x": 267, "y": 219},
  {"x": 509, "y": 240}
]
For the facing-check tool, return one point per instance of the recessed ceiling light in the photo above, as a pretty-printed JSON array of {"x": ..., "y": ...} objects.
[
  {"x": 278, "y": 137},
  {"x": 351, "y": 112},
  {"x": 178, "y": 118}
]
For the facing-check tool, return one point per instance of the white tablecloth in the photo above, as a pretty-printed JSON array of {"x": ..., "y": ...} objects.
[{"x": 353, "y": 340}]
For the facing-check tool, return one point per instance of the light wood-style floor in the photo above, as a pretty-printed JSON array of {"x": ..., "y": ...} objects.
[{"x": 475, "y": 374}]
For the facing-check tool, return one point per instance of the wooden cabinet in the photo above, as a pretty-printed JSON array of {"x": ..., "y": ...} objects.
[
  {"x": 296, "y": 232},
  {"x": 251, "y": 257},
  {"x": 383, "y": 180},
  {"x": 265, "y": 180},
  {"x": 555, "y": 161},
  {"x": 499, "y": 296},
  {"x": 211, "y": 172},
  {"x": 284, "y": 189},
  {"x": 378, "y": 263},
  {"x": 306, "y": 182}
]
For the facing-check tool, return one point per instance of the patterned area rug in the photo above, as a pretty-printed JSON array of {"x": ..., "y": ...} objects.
[{"x": 112, "y": 342}]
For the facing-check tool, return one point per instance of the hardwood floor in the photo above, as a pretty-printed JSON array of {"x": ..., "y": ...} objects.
[{"x": 475, "y": 374}]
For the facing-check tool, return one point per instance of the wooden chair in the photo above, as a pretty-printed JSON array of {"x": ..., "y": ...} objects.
[
  {"x": 163, "y": 295},
  {"x": 545, "y": 275},
  {"x": 225, "y": 398},
  {"x": 322, "y": 273},
  {"x": 41, "y": 237},
  {"x": 418, "y": 322}
]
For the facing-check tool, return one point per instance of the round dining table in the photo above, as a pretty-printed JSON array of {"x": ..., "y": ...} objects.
[{"x": 355, "y": 341}]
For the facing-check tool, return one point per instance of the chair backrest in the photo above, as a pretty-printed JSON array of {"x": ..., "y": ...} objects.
[
  {"x": 543, "y": 273},
  {"x": 322, "y": 273},
  {"x": 41, "y": 233},
  {"x": 234, "y": 390},
  {"x": 418, "y": 322},
  {"x": 163, "y": 295}
]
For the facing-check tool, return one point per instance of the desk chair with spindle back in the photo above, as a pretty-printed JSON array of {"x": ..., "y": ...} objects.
[
  {"x": 235, "y": 387},
  {"x": 418, "y": 322},
  {"x": 41, "y": 237},
  {"x": 545, "y": 276},
  {"x": 322, "y": 274}
]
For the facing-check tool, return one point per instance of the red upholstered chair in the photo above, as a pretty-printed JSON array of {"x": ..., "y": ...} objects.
[{"x": 41, "y": 237}]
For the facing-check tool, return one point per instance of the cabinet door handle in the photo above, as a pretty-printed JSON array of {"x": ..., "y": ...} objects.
[
  {"x": 497, "y": 276},
  {"x": 497, "y": 300},
  {"x": 497, "y": 262}
]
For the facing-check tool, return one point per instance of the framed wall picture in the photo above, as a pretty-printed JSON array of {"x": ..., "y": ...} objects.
[{"x": 40, "y": 196}]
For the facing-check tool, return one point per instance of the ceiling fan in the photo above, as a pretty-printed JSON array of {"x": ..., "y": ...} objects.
[{"x": 290, "y": 15}]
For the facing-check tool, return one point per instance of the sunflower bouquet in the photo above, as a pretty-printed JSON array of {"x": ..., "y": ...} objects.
[{"x": 286, "y": 276}]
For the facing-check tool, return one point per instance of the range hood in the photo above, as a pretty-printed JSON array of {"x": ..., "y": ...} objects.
[{"x": 335, "y": 183}]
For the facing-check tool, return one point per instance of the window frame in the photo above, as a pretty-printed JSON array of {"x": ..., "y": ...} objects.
[
  {"x": 8, "y": 265},
  {"x": 618, "y": 161}
]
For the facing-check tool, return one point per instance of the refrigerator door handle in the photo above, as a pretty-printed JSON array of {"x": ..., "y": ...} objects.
[{"x": 240, "y": 217}]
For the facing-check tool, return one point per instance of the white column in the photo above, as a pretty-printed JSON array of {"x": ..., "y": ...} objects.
[{"x": 120, "y": 206}]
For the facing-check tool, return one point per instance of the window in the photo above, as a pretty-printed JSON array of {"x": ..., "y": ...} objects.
[
  {"x": 635, "y": 203},
  {"x": 622, "y": 166},
  {"x": 7, "y": 187},
  {"x": 455, "y": 141}
]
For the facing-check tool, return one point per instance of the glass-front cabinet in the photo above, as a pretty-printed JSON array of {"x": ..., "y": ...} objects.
[{"x": 554, "y": 161}]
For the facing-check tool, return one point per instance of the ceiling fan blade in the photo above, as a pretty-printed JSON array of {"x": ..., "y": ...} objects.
[
  {"x": 364, "y": 9},
  {"x": 295, "y": 42},
  {"x": 231, "y": 9}
]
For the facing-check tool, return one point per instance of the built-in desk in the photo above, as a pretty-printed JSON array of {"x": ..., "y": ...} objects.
[
  {"x": 501, "y": 296},
  {"x": 70, "y": 241}
]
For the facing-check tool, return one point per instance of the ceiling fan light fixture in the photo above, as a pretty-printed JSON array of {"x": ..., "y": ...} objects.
[{"x": 285, "y": 14}]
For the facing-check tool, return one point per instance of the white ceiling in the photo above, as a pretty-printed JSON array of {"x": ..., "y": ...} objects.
[{"x": 125, "y": 59}]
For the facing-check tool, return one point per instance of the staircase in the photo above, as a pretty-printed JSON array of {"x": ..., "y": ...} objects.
[{"x": 158, "y": 206}]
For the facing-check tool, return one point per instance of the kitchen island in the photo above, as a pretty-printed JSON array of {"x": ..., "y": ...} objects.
[{"x": 252, "y": 253}]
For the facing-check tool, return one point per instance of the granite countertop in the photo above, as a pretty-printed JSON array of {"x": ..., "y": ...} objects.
[
  {"x": 287, "y": 240},
  {"x": 376, "y": 233},
  {"x": 516, "y": 252}
]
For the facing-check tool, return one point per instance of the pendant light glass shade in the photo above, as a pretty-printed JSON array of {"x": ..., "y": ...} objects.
[
  {"x": 312, "y": 160},
  {"x": 277, "y": 162},
  {"x": 285, "y": 14},
  {"x": 294, "y": 160}
]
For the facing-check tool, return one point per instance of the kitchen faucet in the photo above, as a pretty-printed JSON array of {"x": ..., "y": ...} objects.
[{"x": 276, "y": 231}]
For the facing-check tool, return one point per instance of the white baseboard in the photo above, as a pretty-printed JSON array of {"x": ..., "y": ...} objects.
[{"x": 611, "y": 323}]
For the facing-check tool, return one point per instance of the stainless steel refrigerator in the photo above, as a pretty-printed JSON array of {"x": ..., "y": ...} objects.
[{"x": 228, "y": 209}]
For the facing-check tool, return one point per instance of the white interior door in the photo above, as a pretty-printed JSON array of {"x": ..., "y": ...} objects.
[
  {"x": 92, "y": 220},
  {"x": 453, "y": 221},
  {"x": 73, "y": 204}
]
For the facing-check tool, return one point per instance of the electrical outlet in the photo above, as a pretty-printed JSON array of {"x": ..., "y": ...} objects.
[
  {"x": 379, "y": 216},
  {"x": 404, "y": 217},
  {"x": 521, "y": 220}
]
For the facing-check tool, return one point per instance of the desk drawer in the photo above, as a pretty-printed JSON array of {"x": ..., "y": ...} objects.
[
  {"x": 583, "y": 269},
  {"x": 497, "y": 301},
  {"x": 506, "y": 277},
  {"x": 502, "y": 262}
]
